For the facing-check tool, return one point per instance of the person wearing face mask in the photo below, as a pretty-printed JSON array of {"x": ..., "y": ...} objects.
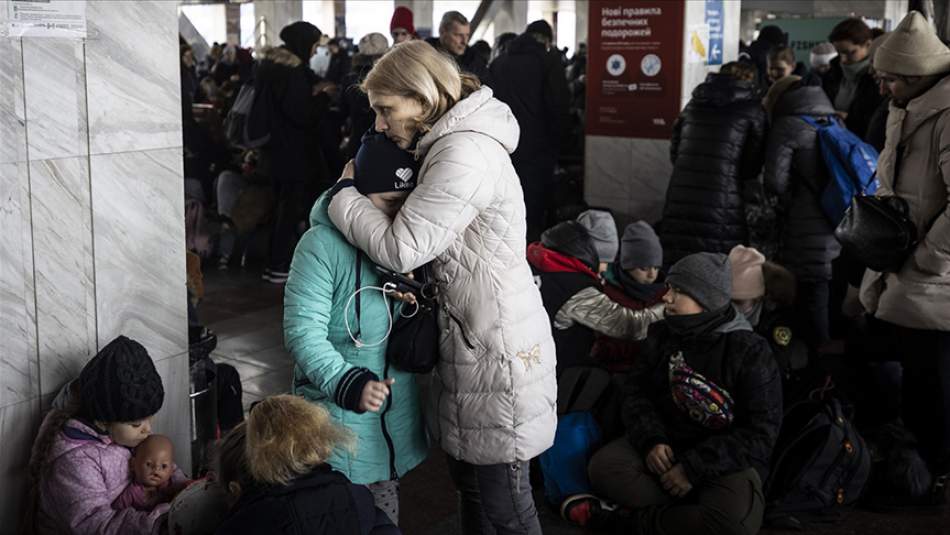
[
  {"x": 702, "y": 410},
  {"x": 912, "y": 304},
  {"x": 297, "y": 166},
  {"x": 849, "y": 84}
]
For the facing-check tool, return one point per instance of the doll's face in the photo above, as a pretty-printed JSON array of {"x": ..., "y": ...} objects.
[{"x": 152, "y": 462}]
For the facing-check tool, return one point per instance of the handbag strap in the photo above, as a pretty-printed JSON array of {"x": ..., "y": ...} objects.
[{"x": 359, "y": 284}]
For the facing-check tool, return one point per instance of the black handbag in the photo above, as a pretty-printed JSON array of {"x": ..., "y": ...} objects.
[
  {"x": 413, "y": 344},
  {"x": 878, "y": 232}
]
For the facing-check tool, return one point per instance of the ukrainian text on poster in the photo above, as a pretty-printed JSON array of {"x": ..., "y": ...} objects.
[{"x": 634, "y": 67}]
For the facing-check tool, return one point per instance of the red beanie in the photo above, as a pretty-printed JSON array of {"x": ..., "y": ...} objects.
[{"x": 402, "y": 18}]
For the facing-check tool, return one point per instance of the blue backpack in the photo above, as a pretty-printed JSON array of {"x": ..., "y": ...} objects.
[
  {"x": 564, "y": 465},
  {"x": 851, "y": 164},
  {"x": 581, "y": 390}
]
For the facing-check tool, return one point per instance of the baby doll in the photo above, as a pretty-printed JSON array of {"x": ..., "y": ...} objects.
[{"x": 152, "y": 468}]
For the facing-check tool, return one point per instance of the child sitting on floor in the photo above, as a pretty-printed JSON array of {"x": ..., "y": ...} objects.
[
  {"x": 635, "y": 282},
  {"x": 81, "y": 462},
  {"x": 294, "y": 491},
  {"x": 564, "y": 263}
]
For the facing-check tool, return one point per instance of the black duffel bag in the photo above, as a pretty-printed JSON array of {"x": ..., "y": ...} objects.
[{"x": 878, "y": 232}]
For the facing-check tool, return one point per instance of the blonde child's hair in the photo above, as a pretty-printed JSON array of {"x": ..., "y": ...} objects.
[
  {"x": 416, "y": 70},
  {"x": 287, "y": 437}
]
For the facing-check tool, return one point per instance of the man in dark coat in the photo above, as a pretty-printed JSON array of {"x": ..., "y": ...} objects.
[
  {"x": 849, "y": 84},
  {"x": 716, "y": 150},
  {"x": 297, "y": 168},
  {"x": 530, "y": 79},
  {"x": 454, "y": 32}
]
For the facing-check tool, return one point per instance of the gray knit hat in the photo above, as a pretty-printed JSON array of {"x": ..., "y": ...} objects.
[
  {"x": 640, "y": 247},
  {"x": 602, "y": 228},
  {"x": 913, "y": 49},
  {"x": 706, "y": 277}
]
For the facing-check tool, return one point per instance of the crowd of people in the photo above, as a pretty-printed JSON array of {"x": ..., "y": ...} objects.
[{"x": 404, "y": 194}]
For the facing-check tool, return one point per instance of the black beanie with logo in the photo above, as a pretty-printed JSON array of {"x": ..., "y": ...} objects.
[{"x": 382, "y": 167}]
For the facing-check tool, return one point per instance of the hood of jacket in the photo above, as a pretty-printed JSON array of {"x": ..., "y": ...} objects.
[
  {"x": 922, "y": 108},
  {"x": 572, "y": 239},
  {"x": 721, "y": 89},
  {"x": 281, "y": 56},
  {"x": 551, "y": 261},
  {"x": 805, "y": 100},
  {"x": 478, "y": 113},
  {"x": 74, "y": 435},
  {"x": 738, "y": 323},
  {"x": 319, "y": 214}
]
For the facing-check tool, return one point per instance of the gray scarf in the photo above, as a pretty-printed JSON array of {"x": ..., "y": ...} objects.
[{"x": 849, "y": 83}]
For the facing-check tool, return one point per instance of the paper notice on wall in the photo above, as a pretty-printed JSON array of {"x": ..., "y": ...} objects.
[
  {"x": 697, "y": 43},
  {"x": 46, "y": 18}
]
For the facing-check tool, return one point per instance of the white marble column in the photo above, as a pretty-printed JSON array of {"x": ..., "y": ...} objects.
[
  {"x": 91, "y": 207},
  {"x": 630, "y": 175},
  {"x": 275, "y": 14}
]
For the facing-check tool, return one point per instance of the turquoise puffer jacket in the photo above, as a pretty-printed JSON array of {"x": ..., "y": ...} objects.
[{"x": 322, "y": 279}]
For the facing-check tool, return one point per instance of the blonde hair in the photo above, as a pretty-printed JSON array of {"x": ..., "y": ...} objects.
[
  {"x": 416, "y": 70},
  {"x": 287, "y": 437}
]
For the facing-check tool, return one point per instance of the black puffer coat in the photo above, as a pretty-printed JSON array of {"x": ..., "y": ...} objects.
[
  {"x": 717, "y": 147},
  {"x": 734, "y": 358},
  {"x": 794, "y": 178}
]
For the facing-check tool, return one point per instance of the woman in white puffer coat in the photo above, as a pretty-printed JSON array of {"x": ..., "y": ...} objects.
[{"x": 494, "y": 390}]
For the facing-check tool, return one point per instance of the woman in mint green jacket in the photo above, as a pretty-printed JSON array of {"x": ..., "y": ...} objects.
[{"x": 377, "y": 402}]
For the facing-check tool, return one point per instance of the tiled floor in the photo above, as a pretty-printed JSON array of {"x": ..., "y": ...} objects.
[{"x": 246, "y": 314}]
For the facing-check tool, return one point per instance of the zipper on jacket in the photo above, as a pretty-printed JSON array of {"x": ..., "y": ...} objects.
[
  {"x": 382, "y": 423},
  {"x": 461, "y": 329}
]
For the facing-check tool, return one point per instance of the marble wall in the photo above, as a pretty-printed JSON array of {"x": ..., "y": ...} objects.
[
  {"x": 92, "y": 218},
  {"x": 629, "y": 175}
]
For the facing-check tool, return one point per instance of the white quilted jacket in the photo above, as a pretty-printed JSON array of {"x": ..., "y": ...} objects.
[{"x": 494, "y": 390}]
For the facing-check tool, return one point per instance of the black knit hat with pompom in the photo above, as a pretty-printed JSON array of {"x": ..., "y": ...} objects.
[{"x": 120, "y": 384}]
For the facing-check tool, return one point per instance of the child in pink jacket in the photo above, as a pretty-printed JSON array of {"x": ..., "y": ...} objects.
[{"x": 81, "y": 460}]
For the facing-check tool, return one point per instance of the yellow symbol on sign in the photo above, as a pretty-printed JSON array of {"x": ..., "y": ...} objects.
[
  {"x": 697, "y": 45},
  {"x": 782, "y": 335}
]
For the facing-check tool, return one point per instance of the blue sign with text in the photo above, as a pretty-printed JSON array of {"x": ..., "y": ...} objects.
[{"x": 714, "y": 18}]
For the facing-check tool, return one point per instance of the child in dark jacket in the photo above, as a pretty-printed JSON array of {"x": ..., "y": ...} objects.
[
  {"x": 294, "y": 491},
  {"x": 702, "y": 411},
  {"x": 564, "y": 263}
]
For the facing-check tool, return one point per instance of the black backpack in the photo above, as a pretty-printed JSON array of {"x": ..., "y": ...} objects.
[
  {"x": 819, "y": 466},
  {"x": 248, "y": 124}
]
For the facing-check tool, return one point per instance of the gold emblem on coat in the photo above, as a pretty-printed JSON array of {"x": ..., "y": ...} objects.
[
  {"x": 530, "y": 358},
  {"x": 782, "y": 336}
]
